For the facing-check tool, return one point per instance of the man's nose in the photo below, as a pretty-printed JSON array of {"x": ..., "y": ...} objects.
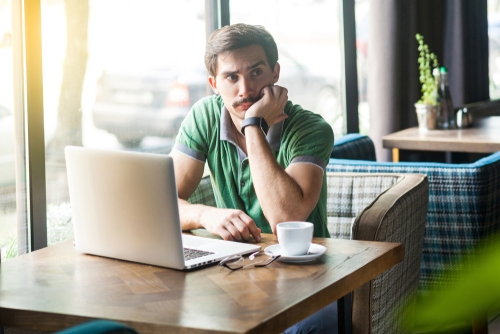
[{"x": 246, "y": 87}]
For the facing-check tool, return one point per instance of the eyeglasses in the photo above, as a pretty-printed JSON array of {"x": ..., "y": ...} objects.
[{"x": 230, "y": 261}]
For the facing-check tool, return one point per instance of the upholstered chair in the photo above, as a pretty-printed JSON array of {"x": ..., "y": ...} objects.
[{"x": 464, "y": 203}]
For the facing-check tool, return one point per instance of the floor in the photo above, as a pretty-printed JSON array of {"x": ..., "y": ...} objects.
[{"x": 494, "y": 326}]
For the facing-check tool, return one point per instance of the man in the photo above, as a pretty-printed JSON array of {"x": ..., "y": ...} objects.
[
  {"x": 266, "y": 156},
  {"x": 259, "y": 181}
]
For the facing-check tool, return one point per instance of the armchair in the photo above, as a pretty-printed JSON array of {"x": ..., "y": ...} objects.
[{"x": 464, "y": 205}]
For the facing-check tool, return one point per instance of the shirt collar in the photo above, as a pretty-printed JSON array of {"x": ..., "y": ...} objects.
[{"x": 226, "y": 133}]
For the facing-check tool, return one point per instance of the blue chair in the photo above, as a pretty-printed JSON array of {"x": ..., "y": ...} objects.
[
  {"x": 464, "y": 202},
  {"x": 99, "y": 327},
  {"x": 354, "y": 147}
]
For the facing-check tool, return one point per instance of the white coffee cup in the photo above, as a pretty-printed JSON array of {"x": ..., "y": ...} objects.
[{"x": 294, "y": 237}]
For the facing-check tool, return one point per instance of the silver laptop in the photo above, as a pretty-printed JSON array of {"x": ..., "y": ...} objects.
[{"x": 125, "y": 207}]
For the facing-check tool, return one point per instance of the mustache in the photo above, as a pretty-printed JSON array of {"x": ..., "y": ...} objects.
[{"x": 246, "y": 100}]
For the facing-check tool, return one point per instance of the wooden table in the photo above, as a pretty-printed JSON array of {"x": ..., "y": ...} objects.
[
  {"x": 56, "y": 287},
  {"x": 482, "y": 137}
]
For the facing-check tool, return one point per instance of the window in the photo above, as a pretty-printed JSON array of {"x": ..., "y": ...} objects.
[
  {"x": 13, "y": 226},
  {"x": 117, "y": 75},
  {"x": 494, "y": 47},
  {"x": 8, "y": 221},
  {"x": 308, "y": 37},
  {"x": 362, "y": 15}
]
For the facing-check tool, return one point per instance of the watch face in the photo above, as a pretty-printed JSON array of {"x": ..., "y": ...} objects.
[{"x": 263, "y": 125}]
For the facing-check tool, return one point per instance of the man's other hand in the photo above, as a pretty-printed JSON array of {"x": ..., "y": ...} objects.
[
  {"x": 271, "y": 105},
  {"x": 232, "y": 225}
]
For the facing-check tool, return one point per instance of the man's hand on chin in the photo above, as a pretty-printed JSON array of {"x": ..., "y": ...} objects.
[{"x": 271, "y": 105}]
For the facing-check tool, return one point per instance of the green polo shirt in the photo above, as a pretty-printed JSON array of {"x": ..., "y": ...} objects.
[{"x": 206, "y": 135}]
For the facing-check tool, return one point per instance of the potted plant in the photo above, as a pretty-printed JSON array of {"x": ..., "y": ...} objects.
[{"x": 427, "y": 107}]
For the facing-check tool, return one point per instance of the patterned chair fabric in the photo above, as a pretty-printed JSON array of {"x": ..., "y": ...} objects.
[
  {"x": 464, "y": 207},
  {"x": 204, "y": 194},
  {"x": 349, "y": 196},
  {"x": 382, "y": 207},
  {"x": 354, "y": 147}
]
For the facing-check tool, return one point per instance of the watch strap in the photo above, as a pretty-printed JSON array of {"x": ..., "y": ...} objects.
[{"x": 258, "y": 121}]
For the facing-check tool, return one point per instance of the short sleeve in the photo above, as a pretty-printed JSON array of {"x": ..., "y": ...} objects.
[
  {"x": 195, "y": 132},
  {"x": 310, "y": 139}
]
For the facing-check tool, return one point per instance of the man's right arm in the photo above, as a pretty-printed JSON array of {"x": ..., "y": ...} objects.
[{"x": 229, "y": 224}]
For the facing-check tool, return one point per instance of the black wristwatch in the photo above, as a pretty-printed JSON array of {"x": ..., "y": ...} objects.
[{"x": 259, "y": 121}]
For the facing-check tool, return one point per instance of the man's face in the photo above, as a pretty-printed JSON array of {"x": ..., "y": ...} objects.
[{"x": 241, "y": 75}]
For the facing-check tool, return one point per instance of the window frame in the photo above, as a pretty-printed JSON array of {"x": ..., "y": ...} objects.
[{"x": 35, "y": 139}]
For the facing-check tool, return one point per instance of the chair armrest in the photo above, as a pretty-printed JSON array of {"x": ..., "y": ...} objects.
[
  {"x": 397, "y": 215},
  {"x": 372, "y": 223}
]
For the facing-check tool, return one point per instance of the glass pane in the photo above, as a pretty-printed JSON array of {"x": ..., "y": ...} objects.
[
  {"x": 494, "y": 47},
  {"x": 308, "y": 37},
  {"x": 362, "y": 9},
  {"x": 117, "y": 75},
  {"x": 13, "y": 227}
]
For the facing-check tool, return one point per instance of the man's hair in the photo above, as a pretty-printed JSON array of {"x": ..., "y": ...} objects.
[{"x": 238, "y": 36}]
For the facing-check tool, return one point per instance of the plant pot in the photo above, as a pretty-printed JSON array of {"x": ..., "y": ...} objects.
[{"x": 427, "y": 116}]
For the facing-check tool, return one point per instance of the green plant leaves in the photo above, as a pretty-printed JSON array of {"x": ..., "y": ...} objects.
[{"x": 425, "y": 59}]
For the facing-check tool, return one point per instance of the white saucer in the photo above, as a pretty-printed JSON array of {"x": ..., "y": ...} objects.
[{"x": 314, "y": 252}]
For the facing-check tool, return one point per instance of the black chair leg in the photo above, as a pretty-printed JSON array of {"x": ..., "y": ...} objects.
[{"x": 344, "y": 307}]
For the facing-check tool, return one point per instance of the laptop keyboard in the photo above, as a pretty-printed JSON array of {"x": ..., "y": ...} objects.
[{"x": 190, "y": 254}]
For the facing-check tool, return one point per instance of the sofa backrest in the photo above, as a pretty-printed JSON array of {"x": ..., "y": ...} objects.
[{"x": 354, "y": 147}]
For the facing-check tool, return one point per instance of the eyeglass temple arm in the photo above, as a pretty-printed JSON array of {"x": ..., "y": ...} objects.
[{"x": 269, "y": 262}]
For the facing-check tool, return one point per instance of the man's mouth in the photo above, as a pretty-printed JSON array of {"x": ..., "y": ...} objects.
[
  {"x": 245, "y": 103},
  {"x": 245, "y": 106}
]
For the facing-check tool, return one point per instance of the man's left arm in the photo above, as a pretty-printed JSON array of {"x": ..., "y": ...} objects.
[{"x": 284, "y": 194}]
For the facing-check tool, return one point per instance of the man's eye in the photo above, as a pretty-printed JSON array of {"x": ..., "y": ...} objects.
[
  {"x": 231, "y": 77},
  {"x": 257, "y": 71}
]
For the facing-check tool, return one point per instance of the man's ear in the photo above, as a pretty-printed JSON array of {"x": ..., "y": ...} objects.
[
  {"x": 276, "y": 72},
  {"x": 213, "y": 84}
]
